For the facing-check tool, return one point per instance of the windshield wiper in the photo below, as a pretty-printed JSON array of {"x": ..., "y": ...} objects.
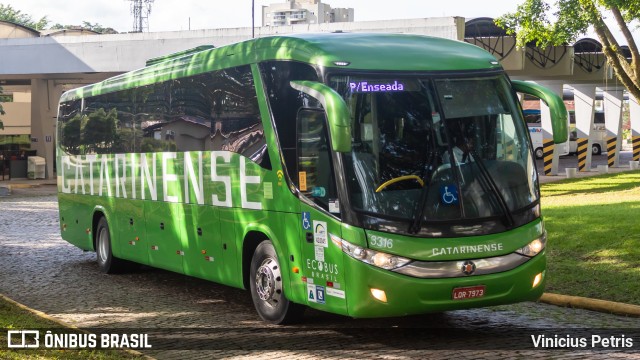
[
  {"x": 419, "y": 210},
  {"x": 494, "y": 188}
]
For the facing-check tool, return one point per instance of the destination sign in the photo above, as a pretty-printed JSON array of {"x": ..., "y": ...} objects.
[{"x": 378, "y": 86}]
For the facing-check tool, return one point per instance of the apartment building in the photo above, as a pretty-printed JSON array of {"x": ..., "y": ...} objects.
[{"x": 293, "y": 12}]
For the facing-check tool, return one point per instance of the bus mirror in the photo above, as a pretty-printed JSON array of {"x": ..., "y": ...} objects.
[
  {"x": 556, "y": 107},
  {"x": 337, "y": 112}
]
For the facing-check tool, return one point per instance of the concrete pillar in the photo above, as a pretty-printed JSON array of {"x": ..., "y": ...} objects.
[
  {"x": 613, "y": 124},
  {"x": 634, "y": 115},
  {"x": 584, "y": 97},
  {"x": 552, "y": 151},
  {"x": 44, "y": 109}
]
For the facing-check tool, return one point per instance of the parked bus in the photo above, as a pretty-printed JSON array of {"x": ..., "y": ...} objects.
[
  {"x": 368, "y": 175},
  {"x": 598, "y": 135},
  {"x": 534, "y": 123}
]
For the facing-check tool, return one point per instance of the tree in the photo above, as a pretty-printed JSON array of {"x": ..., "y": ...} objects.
[
  {"x": 8, "y": 13},
  {"x": 100, "y": 130},
  {"x": 98, "y": 28},
  {"x": 561, "y": 23},
  {"x": 72, "y": 133},
  {"x": 86, "y": 25}
]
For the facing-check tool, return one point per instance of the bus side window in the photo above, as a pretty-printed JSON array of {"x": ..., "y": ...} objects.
[
  {"x": 284, "y": 102},
  {"x": 69, "y": 127},
  {"x": 315, "y": 177}
]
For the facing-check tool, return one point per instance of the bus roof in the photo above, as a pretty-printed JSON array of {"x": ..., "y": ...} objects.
[{"x": 362, "y": 51}]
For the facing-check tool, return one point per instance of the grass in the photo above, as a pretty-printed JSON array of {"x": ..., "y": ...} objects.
[
  {"x": 593, "y": 227},
  {"x": 14, "y": 318}
]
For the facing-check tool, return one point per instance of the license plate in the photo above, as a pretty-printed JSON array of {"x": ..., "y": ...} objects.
[{"x": 469, "y": 292}]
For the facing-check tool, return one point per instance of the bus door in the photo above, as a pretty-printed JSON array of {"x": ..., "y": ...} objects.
[{"x": 320, "y": 214}]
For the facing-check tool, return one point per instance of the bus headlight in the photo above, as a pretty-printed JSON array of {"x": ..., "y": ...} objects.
[
  {"x": 372, "y": 257},
  {"x": 535, "y": 247}
]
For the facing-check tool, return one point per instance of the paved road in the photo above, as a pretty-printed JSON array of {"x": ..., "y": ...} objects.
[{"x": 40, "y": 270}]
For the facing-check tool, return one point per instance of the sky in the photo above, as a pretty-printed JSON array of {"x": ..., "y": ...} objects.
[{"x": 174, "y": 15}]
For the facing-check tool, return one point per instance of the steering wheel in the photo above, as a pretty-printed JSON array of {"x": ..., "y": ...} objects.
[{"x": 398, "y": 179}]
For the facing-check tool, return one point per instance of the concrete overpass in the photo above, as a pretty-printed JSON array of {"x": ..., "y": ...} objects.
[{"x": 581, "y": 68}]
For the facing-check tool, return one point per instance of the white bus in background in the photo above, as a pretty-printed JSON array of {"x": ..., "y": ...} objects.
[
  {"x": 598, "y": 134},
  {"x": 534, "y": 122}
]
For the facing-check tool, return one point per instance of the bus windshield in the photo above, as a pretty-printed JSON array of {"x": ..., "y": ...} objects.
[{"x": 437, "y": 150}]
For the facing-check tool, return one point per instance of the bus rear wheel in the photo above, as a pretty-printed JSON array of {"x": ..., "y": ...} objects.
[
  {"x": 539, "y": 153},
  {"x": 107, "y": 263},
  {"x": 267, "y": 288},
  {"x": 595, "y": 149}
]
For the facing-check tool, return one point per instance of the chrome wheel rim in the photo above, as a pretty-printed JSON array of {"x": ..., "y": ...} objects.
[
  {"x": 269, "y": 282},
  {"x": 539, "y": 154},
  {"x": 103, "y": 245}
]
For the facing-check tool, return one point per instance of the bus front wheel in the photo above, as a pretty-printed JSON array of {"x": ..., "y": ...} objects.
[
  {"x": 107, "y": 263},
  {"x": 595, "y": 149},
  {"x": 267, "y": 287}
]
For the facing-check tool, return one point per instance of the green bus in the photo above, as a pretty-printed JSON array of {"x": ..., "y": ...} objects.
[{"x": 368, "y": 175}]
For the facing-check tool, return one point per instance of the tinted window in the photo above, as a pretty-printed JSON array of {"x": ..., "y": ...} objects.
[
  {"x": 69, "y": 127},
  {"x": 285, "y": 102},
  {"x": 314, "y": 159},
  {"x": 211, "y": 111}
]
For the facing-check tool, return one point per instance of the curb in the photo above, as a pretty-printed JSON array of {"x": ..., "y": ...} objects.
[
  {"x": 42, "y": 315},
  {"x": 22, "y": 186},
  {"x": 578, "y": 302}
]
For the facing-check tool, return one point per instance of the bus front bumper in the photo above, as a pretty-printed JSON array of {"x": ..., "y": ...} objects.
[{"x": 406, "y": 295}]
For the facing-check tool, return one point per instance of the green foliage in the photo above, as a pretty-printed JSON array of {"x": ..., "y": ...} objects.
[
  {"x": 532, "y": 22},
  {"x": 98, "y": 28},
  {"x": 72, "y": 133},
  {"x": 126, "y": 140},
  {"x": 85, "y": 25},
  {"x": 630, "y": 8},
  {"x": 154, "y": 145},
  {"x": 560, "y": 23},
  {"x": 95, "y": 132},
  {"x": 100, "y": 130},
  {"x": 563, "y": 22},
  {"x": 8, "y": 13}
]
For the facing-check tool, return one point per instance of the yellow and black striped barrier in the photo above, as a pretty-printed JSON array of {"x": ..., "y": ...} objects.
[
  {"x": 583, "y": 143},
  {"x": 636, "y": 148},
  {"x": 547, "y": 149},
  {"x": 611, "y": 150}
]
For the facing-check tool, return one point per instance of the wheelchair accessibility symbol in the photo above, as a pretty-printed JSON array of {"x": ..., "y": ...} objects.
[
  {"x": 306, "y": 220},
  {"x": 449, "y": 194}
]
